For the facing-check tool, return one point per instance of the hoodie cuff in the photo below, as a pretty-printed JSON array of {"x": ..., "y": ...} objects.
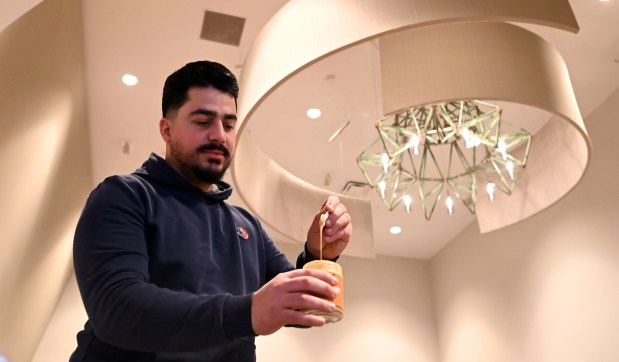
[{"x": 237, "y": 317}]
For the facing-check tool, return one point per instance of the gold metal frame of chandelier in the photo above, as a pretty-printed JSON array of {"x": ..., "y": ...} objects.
[{"x": 439, "y": 126}]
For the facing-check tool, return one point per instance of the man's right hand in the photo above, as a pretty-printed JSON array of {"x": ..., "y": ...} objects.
[{"x": 282, "y": 300}]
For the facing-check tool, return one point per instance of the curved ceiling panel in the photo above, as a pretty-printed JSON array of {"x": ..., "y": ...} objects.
[
  {"x": 494, "y": 61},
  {"x": 303, "y": 32}
]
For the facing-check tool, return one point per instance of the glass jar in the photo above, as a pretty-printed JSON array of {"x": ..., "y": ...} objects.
[{"x": 336, "y": 270}]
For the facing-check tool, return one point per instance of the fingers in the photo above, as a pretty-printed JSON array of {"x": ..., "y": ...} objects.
[
  {"x": 297, "y": 317},
  {"x": 303, "y": 301},
  {"x": 338, "y": 226},
  {"x": 310, "y": 289},
  {"x": 282, "y": 300},
  {"x": 331, "y": 204},
  {"x": 337, "y": 231},
  {"x": 314, "y": 273},
  {"x": 338, "y": 219}
]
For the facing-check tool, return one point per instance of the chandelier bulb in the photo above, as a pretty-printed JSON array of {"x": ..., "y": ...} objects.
[
  {"x": 467, "y": 137},
  {"x": 502, "y": 146},
  {"x": 449, "y": 202},
  {"x": 413, "y": 142},
  {"x": 490, "y": 190},
  {"x": 385, "y": 162},
  {"x": 471, "y": 140},
  {"x": 407, "y": 202},
  {"x": 382, "y": 186},
  {"x": 510, "y": 169}
]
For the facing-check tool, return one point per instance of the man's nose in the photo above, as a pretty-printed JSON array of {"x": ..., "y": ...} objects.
[{"x": 217, "y": 133}]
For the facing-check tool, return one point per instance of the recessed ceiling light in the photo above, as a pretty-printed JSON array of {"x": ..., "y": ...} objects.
[
  {"x": 130, "y": 79},
  {"x": 313, "y": 113},
  {"x": 395, "y": 230}
]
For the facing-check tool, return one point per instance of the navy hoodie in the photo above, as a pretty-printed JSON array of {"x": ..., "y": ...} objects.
[{"x": 167, "y": 272}]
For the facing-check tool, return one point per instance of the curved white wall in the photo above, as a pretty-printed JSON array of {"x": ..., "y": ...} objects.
[
  {"x": 45, "y": 158},
  {"x": 543, "y": 290},
  {"x": 10, "y": 10}
]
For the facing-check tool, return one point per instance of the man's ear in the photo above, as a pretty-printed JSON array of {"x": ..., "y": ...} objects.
[{"x": 164, "y": 129}]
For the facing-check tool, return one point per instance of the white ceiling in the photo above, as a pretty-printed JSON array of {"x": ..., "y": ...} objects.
[{"x": 153, "y": 38}]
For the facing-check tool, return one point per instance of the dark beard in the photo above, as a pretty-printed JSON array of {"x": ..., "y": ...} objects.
[
  {"x": 206, "y": 175},
  {"x": 209, "y": 176}
]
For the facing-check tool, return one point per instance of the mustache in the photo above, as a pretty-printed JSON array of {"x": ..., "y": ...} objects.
[{"x": 214, "y": 147}]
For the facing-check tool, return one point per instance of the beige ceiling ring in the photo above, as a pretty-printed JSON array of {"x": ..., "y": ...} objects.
[
  {"x": 494, "y": 61},
  {"x": 305, "y": 31}
]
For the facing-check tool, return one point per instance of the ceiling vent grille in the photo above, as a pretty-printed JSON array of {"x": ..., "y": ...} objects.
[{"x": 222, "y": 28}]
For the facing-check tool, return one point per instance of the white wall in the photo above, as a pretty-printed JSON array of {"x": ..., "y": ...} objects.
[
  {"x": 388, "y": 316},
  {"x": 546, "y": 289},
  {"x": 13, "y": 9},
  {"x": 45, "y": 158},
  {"x": 59, "y": 340}
]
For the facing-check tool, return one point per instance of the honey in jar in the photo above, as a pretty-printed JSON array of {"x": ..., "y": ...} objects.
[{"x": 336, "y": 270}]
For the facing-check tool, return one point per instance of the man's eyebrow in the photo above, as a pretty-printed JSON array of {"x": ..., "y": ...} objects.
[{"x": 208, "y": 112}]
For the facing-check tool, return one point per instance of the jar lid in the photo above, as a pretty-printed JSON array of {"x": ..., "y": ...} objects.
[{"x": 326, "y": 265}]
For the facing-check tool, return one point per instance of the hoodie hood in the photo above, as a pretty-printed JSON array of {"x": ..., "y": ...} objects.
[{"x": 159, "y": 171}]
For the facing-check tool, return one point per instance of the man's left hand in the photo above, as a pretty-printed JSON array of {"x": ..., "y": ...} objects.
[{"x": 336, "y": 233}]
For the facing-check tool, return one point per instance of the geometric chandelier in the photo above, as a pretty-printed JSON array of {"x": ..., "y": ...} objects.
[
  {"x": 434, "y": 53},
  {"x": 447, "y": 150}
]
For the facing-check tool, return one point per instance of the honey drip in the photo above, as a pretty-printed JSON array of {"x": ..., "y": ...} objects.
[{"x": 321, "y": 223}]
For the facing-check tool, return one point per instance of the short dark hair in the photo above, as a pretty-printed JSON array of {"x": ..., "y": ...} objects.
[{"x": 202, "y": 73}]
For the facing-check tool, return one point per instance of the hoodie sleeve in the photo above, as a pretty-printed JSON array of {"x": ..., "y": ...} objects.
[{"x": 124, "y": 309}]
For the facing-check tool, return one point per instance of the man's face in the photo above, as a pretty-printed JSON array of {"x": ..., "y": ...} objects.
[{"x": 201, "y": 135}]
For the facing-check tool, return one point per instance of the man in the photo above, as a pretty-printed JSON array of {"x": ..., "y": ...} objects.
[{"x": 167, "y": 270}]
